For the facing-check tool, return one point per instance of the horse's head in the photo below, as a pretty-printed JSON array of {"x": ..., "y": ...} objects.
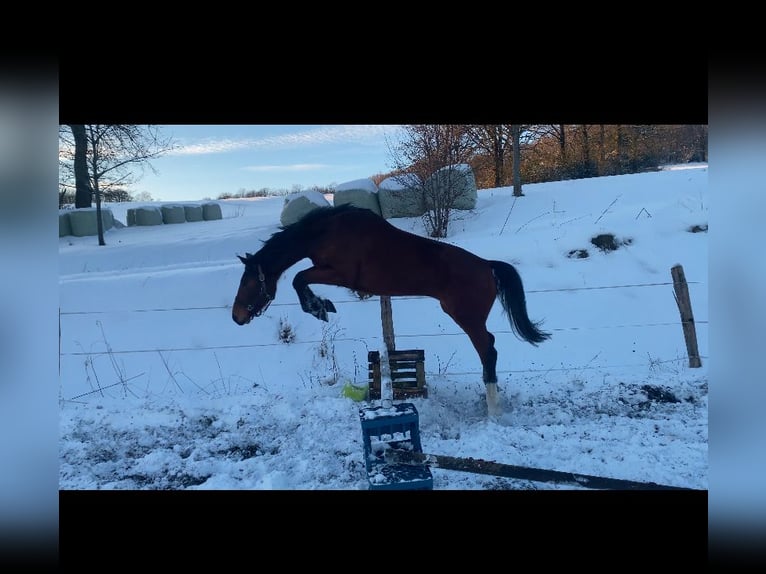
[{"x": 256, "y": 291}]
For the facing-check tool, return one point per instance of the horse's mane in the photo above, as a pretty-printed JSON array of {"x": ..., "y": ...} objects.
[{"x": 297, "y": 232}]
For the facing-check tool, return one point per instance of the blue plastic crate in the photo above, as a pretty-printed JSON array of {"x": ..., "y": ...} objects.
[{"x": 396, "y": 427}]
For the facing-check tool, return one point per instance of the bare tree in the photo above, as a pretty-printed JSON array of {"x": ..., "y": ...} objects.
[
  {"x": 496, "y": 141},
  {"x": 115, "y": 156},
  {"x": 423, "y": 151},
  {"x": 559, "y": 133}
]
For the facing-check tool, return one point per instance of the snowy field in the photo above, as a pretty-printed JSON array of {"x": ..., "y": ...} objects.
[{"x": 161, "y": 390}]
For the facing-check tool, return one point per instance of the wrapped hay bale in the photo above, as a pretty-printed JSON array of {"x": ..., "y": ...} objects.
[
  {"x": 108, "y": 218},
  {"x": 360, "y": 192},
  {"x": 131, "y": 216},
  {"x": 147, "y": 216},
  {"x": 211, "y": 211},
  {"x": 456, "y": 181},
  {"x": 193, "y": 212},
  {"x": 400, "y": 196},
  {"x": 299, "y": 204},
  {"x": 64, "y": 227},
  {"x": 83, "y": 221},
  {"x": 173, "y": 214}
]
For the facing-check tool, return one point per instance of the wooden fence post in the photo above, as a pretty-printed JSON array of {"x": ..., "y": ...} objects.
[
  {"x": 386, "y": 317},
  {"x": 681, "y": 293}
]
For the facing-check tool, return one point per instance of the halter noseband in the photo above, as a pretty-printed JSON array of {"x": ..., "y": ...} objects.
[{"x": 264, "y": 292}]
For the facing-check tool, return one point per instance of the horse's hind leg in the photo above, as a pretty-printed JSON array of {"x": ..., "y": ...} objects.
[
  {"x": 489, "y": 361},
  {"x": 484, "y": 343},
  {"x": 485, "y": 347}
]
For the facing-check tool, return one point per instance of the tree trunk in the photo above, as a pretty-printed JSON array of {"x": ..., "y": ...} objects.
[
  {"x": 99, "y": 222},
  {"x": 563, "y": 145},
  {"x": 516, "y": 135},
  {"x": 620, "y": 150},
  {"x": 498, "y": 143},
  {"x": 588, "y": 171},
  {"x": 83, "y": 193},
  {"x": 601, "y": 150}
]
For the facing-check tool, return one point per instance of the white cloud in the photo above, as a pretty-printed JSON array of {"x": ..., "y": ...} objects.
[
  {"x": 321, "y": 135},
  {"x": 211, "y": 146},
  {"x": 292, "y": 167}
]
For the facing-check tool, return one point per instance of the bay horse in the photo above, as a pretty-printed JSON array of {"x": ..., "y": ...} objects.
[{"x": 355, "y": 248}]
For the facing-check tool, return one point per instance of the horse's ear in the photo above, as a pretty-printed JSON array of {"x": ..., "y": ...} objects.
[
  {"x": 242, "y": 259},
  {"x": 248, "y": 255}
]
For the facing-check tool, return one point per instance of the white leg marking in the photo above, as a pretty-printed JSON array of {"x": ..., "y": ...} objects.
[{"x": 493, "y": 402}]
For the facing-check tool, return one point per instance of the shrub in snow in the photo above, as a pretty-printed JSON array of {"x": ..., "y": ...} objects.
[
  {"x": 299, "y": 204},
  {"x": 456, "y": 184},
  {"x": 360, "y": 192}
]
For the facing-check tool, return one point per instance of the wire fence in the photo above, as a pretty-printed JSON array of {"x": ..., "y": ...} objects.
[
  {"x": 356, "y": 339},
  {"x": 346, "y": 301}
]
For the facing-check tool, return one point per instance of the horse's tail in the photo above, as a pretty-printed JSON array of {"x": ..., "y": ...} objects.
[{"x": 510, "y": 291}]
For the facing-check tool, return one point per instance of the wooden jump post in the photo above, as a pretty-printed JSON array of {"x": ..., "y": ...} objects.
[
  {"x": 681, "y": 293},
  {"x": 387, "y": 320},
  {"x": 403, "y": 369}
]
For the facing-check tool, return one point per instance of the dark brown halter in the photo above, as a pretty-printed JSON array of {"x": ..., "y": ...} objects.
[{"x": 269, "y": 298}]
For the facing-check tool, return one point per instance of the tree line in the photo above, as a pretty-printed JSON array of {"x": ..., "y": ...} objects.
[
  {"x": 505, "y": 155},
  {"x": 97, "y": 161},
  {"x": 512, "y": 154}
]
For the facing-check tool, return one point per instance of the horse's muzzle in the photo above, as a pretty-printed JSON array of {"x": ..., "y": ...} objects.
[{"x": 241, "y": 320}]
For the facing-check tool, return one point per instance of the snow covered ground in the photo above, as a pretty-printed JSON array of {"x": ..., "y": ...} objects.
[{"x": 160, "y": 389}]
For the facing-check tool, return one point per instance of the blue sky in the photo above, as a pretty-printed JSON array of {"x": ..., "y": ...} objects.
[{"x": 216, "y": 159}]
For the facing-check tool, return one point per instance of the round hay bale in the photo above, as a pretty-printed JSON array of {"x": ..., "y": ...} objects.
[
  {"x": 148, "y": 216},
  {"x": 173, "y": 214},
  {"x": 107, "y": 218},
  {"x": 400, "y": 196},
  {"x": 211, "y": 211},
  {"x": 457, "y": 181},
  {"x": 193, "y": 212},
  {"x": 64, "y": 227},
  {"x": 131, "y": 216},
  {"x": 360, "y": 192},
  {"x": 299, "y": 204},
  {"x": 83, "y": 221}
]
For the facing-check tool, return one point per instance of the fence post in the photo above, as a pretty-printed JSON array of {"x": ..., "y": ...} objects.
[
  {"x": 387, "y": 319},
  {"x": 681, "y": 294}
]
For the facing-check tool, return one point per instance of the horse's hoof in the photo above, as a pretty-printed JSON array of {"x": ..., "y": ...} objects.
[{"x": 329, "y": 307}]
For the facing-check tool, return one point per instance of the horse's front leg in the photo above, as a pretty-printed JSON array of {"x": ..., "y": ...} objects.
[{"x": 310, "y": 302}]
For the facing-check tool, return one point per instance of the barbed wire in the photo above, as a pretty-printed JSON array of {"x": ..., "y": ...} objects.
[
  {"x": 373, "y": 298},
  {"x": 354, "y": 340},
  {"x": 433, "y": 374}
]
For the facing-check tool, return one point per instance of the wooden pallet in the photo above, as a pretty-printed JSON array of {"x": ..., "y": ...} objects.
[{"x": 408, "y": 375}]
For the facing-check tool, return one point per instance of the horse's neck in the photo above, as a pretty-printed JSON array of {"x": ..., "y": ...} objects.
[{"x": 279, "y": 261}]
